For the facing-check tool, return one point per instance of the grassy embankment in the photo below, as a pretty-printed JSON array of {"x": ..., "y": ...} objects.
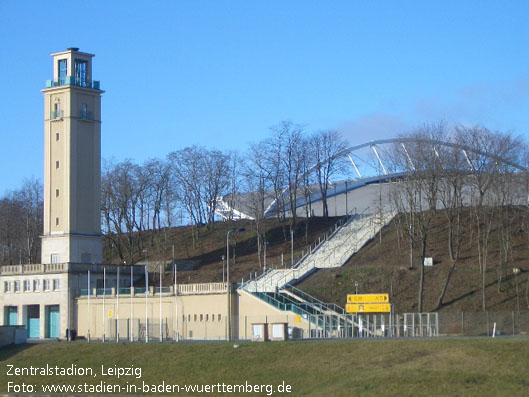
[
  {"x": 380, "y": 266},
  {"x": 339, "y": 368}
]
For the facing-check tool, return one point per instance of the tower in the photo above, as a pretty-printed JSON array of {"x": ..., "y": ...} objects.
[{"x": 72, "y": 161}]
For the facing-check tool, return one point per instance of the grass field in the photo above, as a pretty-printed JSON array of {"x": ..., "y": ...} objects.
[{"x": 458, "y": 366}]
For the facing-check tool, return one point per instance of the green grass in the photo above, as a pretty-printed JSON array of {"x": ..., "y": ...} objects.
[{"x": 456, "y": 366}]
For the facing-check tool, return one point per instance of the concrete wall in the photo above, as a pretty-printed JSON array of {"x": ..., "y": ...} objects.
[
  {"x": 196, "y": 316},
  {"x": 252, "y": 310},
  {"x": 201, "y": 316}
]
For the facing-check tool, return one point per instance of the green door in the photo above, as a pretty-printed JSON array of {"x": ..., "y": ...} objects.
[
  {"x": 33, "y": 321},
  {"x": 33, "y": 327},
  {"x": 53, "y": 321},
  {"x": 12, "y": 315}
]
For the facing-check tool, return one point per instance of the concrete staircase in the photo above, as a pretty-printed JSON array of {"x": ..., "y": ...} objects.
[{"x": 334, "y": 251}]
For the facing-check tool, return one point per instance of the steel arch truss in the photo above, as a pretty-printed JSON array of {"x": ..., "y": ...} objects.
[{"x": 386, "y": 159}]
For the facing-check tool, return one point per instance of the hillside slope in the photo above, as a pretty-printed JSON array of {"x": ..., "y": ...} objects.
[{"x": 382, "y": 266}]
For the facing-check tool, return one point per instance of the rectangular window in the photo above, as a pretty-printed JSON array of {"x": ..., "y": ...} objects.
[
  {"x": 201, "y": 317},
  {"x": 46, "y": 285},
  {"x": 54, "y": 258},
  {"x": 7, "y": 286},
  {"x": 80, "y": 72},
  {"x": 57, "y": 164},
  {"x": 56, "y": 221},
  {"x": 57, "y": 136},
  {"x": 84, "y": 111},
  {"x": 63, "y": 70},
  {"x": 220, "y": 318},
  {"x": 56, "y": 192},
  {"x": 56, "y": 113},
  {"x": 56, "y": 284},
  {"x": 27, "y": 285},
  {"x": 36, "y": 285},
  {"x": 17, "y": 286}
]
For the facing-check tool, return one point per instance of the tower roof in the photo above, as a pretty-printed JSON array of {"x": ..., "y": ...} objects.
[{"x": 72, "y": 49}]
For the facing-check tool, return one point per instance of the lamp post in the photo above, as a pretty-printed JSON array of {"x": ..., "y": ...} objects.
[
  {"x": 264, "y": 263},
  {"x": 291, "y": 248},
  {"x": 235, "y": 230},
  {"x": 356, "y": 287},
  {"x": 223, "y": 269}
]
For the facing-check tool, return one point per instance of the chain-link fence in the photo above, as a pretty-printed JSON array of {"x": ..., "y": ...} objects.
[
  {"x": 325, "y": 326},
  {"x": 484, "y": 323}
]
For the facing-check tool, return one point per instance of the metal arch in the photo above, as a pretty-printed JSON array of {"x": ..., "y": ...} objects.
[
  {"x": 372, "y": 144},
  {"x": 424, "y": 140}
]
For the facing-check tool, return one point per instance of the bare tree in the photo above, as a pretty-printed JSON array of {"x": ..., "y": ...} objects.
[
  {"x": 417, "y": 193},
  {"x": 30, "y": 198},
  {"x": 326, "y": 146},
  {"x": 488, "y": 150}
]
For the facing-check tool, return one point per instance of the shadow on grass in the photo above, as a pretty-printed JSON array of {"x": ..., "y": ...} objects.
[{"x": 11, "y": 350}]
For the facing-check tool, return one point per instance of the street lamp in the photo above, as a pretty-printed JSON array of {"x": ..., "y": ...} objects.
[
  {"x": 264, "y": 267},
  {"x": 223, "y": 271},
  {"x": 291, "y": 247},
  {"x": 356, "y": 287},
  {"x": 235, "y": 230}
]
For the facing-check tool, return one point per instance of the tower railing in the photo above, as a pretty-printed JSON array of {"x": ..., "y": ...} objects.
[{"x": 70, "y": 80}]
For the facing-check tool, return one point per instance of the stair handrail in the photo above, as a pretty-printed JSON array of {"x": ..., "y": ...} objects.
[
  {"x": 348, "y": 218},
  {"x": 303, "y": 295}
]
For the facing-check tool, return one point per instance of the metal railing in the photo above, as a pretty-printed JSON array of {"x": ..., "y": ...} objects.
[
  {"x": 56, "y": 114},
  {"x": 70, "y": 80}
]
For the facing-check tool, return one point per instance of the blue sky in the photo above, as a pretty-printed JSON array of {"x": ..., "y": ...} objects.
[{"x": 220, "y": 73}]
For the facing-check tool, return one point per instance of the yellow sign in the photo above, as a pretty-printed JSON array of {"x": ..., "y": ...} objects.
[
  {"x": 297, "y": 319},
  {"x": 368, "y": 308},
  {"x": 110, "y": 314},
  {"x": 368, "y": 298}
]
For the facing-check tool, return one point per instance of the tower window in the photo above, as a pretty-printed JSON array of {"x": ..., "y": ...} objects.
[
  {"x": 56, "y": 113},
  {"x": 57, "y": 136},
  {"x": 84, "y": 111},
  {"x": 56, "y": 221},
  {"x": 63, "y": 70},
  {"x": 80, "y": 72},
  {"x": 57, "y": 194},
  {"x": 57, "y": 164}
]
